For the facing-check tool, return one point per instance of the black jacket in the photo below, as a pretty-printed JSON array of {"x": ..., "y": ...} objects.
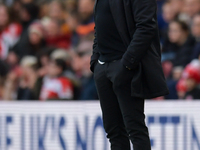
[{"x": 136, "y": 21}]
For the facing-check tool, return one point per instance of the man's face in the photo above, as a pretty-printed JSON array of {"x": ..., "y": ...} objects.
[
  {"x": 26, "y": 71},
  {"x": 85, "y": 8},
  {"x": 196, "y": 26},
  {"x": 177, "y": 5},
  {"x": 175, "y": 33},
  {"x": 52, "y": 29},
  {"x": 53, "y": 70},
  {"x": 24, "y": 15},
  {"x": 35, "y": 39},
  {"x": 192, "y": 7},
  {"x": 55, "y": 11},
  {"x": 168, "y": 12}
]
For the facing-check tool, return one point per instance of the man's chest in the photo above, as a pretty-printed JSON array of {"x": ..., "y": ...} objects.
[{"x": 102, "y": 7}]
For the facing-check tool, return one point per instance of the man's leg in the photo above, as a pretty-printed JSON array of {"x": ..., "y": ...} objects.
[
  {"x": 132, "y": 108},
  {"x": 112, "y": 117},
  {"x": 133, "y": 113}
]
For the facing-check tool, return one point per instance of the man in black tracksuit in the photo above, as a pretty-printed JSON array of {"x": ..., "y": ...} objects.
[{"x": 127, "y": 68}]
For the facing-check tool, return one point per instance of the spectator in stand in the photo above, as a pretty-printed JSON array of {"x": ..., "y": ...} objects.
[
  {"x": 73, "y": 22},
  {"x": 191, "y": 7},
  {"x": 35, "y": 41},
  {"x": 88, "y": 89},
  {"x": 177, "y": 5},
  {"x": 28, "y": 79},
  {"x": 11, "y": 85},
  {"x": 69, "y": 73},
  {"x": 170, "y": 11},
  {"x": 191, "y": 75},
  {"x": 179, "y": 44},
  {"x": 13, "y": 64},
  {"x": 43, "y": 57},
  {"x": 196, "y": 34},
  {"x": 28, "y": 14},
  {"x": 168, "y": 14},
  {"x": 76, "y": 63},
  {"x": 44, "y": 8},
  {"x": 54, "y": 35},
  {"x": 181, "y": 88},
  {"x": 57, "y": 11},
  {"x": 189, "y": 10},
  {"x": 65, "y": 56},
  {"x": 15, "y": 9},
  {"x": 85, "y": 10},
  {"x": 9, "y": 31},
  {"x": 55, "y": 85},
  {"x": 172, "y": 83},
  {"x": 71, "y": 5}
]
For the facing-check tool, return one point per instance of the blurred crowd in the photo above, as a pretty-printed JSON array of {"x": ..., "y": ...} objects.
[
  {"x": 45, "y": 49},
  {"x": 179, "y": 25}
]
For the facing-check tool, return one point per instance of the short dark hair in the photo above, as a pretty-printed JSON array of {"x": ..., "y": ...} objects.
[
  {"x": 183, "y": 25},
  {"x": 60, "y": 63},
  {"x": 32, "y": 9}
]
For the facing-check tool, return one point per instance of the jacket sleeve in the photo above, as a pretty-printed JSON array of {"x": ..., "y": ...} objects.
[
  {"x": 144, "y": 13},
  {"x": 95, "y": 55}
]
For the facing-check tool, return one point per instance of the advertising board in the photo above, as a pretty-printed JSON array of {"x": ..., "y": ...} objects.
[{"x": 173, "y": 125}]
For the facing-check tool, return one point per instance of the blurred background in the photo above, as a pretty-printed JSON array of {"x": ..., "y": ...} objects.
[{"x": 45, "y": 49}]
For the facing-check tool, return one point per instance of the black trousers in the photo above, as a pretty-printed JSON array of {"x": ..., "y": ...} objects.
[{"x": 123, "y": 115}]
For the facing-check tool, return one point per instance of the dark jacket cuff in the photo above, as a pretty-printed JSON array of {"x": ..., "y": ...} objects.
[{"x": 129, "y": 61}]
